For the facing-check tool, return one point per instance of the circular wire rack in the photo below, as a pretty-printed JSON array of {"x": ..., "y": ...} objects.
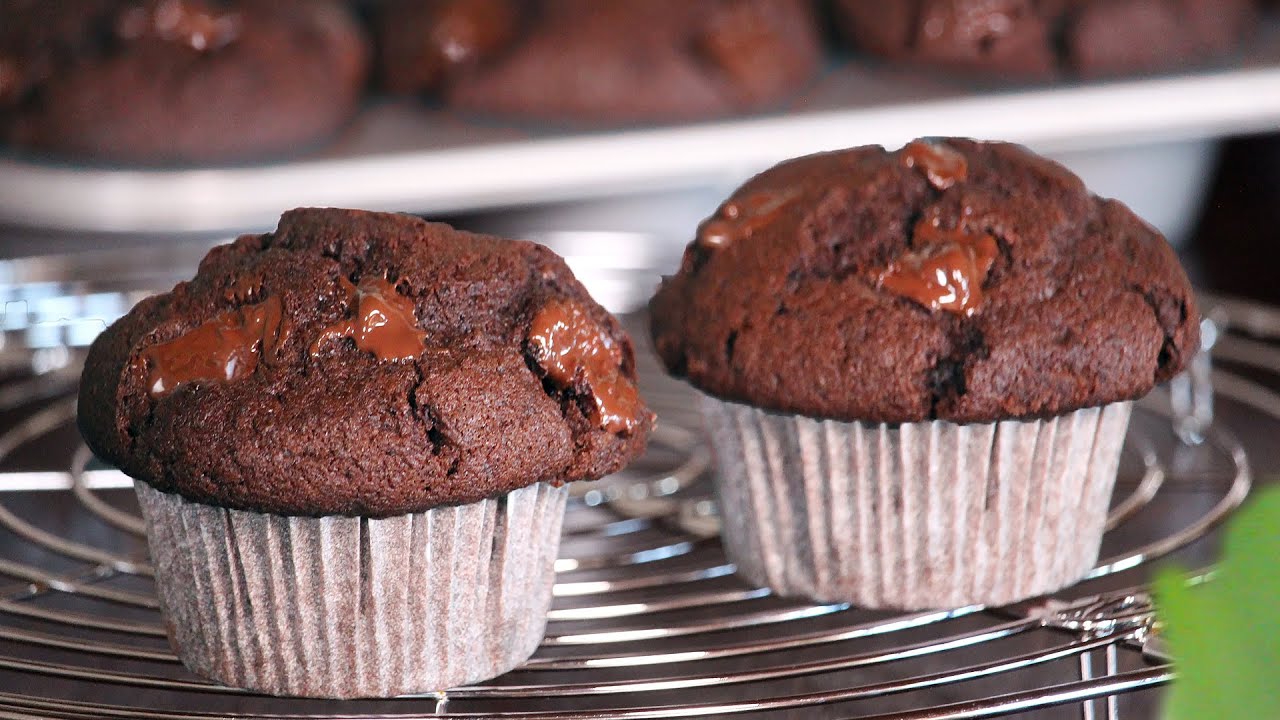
[{"x": 649, "y": 620}]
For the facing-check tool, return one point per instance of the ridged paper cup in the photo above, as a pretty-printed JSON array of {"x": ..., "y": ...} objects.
[
  {"x": 343, "y": 607},
  {"x": 914, "y": 516}
]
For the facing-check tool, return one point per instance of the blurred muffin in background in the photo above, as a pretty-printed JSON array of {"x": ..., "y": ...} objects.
[
  {"x": 423, "y": 44},
  {"x": 588, "y": 61},
  {"x": 177, "y": 81},
  {"x": 1046, "y": 38}
]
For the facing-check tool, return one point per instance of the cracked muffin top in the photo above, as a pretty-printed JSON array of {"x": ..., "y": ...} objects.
[
  {"x": 370, "y": 364},
  {"x": 951, "y": 279}
]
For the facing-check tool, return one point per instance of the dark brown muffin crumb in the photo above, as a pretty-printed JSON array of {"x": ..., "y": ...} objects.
[
  {"x": 949, "y": 280},
  {"x": 364, "y": 364}
]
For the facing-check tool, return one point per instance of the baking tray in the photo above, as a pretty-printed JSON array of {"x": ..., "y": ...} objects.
[{"x": 406, "y": 156}]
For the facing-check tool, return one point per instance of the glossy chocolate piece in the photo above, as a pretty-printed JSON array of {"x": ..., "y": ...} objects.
[
  {"x": 383, "y": 324},
  {"x": 224, "y": 349},
  {"x": 943, "y": 166},
  {"x": 738, "y": 219},
  {"x": 571, "y": 348},
  {"x": 945, "y": 272}
]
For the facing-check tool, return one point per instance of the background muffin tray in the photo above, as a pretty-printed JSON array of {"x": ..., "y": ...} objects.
[
  {"x": 648, "y": 620},
  {"x": 402, "y": 156}
]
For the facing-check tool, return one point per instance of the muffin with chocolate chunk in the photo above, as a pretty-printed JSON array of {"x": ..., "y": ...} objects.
[
  {"x": 917, "y": 368},
  {"x": 177, "y": 81},
  {"x": 590, "y": 61},
  {"x": 1043, "y": 38},
  {"x": 351, "y": 438}
]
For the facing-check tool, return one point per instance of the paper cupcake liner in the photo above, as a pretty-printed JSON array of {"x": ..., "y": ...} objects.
[
  {"x": 919, "y": 515},
  {"x": 342, "y": 607}
]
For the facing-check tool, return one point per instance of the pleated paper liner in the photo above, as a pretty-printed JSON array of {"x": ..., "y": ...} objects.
[
  {"x": 342, "y": 607},
  {"x": 914, "y": 516}
]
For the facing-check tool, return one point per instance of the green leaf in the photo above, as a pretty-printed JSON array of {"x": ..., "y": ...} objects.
[{"x": 1225, "y": 634}]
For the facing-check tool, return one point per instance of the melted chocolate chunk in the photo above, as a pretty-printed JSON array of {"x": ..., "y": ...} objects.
[
  {"x": 946, "y": 272},
  {"x": 943, "y": 166},
  {"x": 384, "y": 323},
  {"x": 571, "y": 348},
  {"x": 187, "y": 22},
  {"x": 739, "y": 219},
  {"x": 224, "y": 349}
]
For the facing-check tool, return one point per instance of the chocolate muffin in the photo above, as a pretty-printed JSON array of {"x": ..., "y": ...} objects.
[
  {"x": 1044, "y": 38},
  {"x": 422, "y": 45},
  {"x": 361, "y": 405},
  {"x": 954, "y": 325},
  {"x": 581, "y": 60},
  {"x": 177, "y": 81}
]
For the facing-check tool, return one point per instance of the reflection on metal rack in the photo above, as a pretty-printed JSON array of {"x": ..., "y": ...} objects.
[{"x": 649, "y": 621}]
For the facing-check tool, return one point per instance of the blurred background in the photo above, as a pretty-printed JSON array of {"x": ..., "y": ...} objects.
[
  {"x": 134, "y": 134},
  {"x": 142, "y": 123}
]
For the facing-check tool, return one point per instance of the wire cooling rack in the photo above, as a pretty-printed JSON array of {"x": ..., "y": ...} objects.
[{"x": 648, "y": 620}]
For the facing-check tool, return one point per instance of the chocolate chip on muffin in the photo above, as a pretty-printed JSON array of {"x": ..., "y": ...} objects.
[
  {"x": 177, "y": 81},
  {"x": 581, "y": 60},
  {"x": 1042, "y": 38},
  {"x": 364, "y": 364},
  {"x": 949, "y": 280}
]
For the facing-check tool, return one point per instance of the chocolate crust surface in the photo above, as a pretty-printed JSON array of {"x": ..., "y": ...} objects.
[
  {"x": 586, "y": 61},
  {"x": 952, "y": 280},
  {"x": 285, "y": 378}
]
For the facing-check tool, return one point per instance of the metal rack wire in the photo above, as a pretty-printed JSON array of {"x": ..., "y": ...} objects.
[{"x": 649, "y": 620}]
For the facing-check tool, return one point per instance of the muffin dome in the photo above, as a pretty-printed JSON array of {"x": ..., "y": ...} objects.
[
  {"x": 364, "y": 364},
  {"x": 951, "y": 280},
  {"x": 1043, "y": 38},
  {"x": 177, "y": 81},
  {"x": 646, "y": 60}
]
